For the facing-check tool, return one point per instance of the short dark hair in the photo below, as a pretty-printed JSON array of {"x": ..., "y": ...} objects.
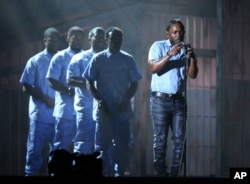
[
  {"x": 75, "y": 28},
  {"x": 174, "y": 21},
  {"x": 50, "y": 31},
  {"x": 111, "y": 29},
  {"x": 94, "y": 30}
]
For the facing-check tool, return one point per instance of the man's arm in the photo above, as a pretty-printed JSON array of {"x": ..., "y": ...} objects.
[
  {"x": 130, "y": 93},
  {"x": 77, "y": 82},
  {"x": 58, "y": 86},
  {"x": 132, "y": 89},
  {"x": 91, "y": 88},
  {"x": 36, "y": 93},
  {"x": 193, "y": 68},
  {"x": 90, "y": 85},
  {"x": 157, "y": 65}
]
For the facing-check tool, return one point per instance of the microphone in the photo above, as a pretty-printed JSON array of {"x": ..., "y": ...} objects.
[{"x": 185, "y": 45}]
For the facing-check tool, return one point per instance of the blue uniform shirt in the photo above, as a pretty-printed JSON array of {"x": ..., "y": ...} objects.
[
  {"x": 172, "y": 81},
  {"x": 113, "y": 73},
  {"x": 34, "y": 74},
  {"x": 75, "y": 69},
  {"x": 64, "y": 105}
]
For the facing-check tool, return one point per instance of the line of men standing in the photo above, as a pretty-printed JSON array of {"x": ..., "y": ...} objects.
[{"x": 80, "y": 98}]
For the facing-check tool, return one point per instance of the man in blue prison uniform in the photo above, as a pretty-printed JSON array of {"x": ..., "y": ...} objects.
[
  {"x": 83, "y": 101},
  {"x": 112, "y": 77},
  {"x": 64, "y": 94},
  {"x": 41, "y": 103}
]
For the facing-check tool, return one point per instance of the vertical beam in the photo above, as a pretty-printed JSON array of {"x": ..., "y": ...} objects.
[{"x": 219, "y": 88}]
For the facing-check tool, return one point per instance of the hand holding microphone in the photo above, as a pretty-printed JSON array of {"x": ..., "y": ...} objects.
[
  {"x": 188, "y": 50},
  {"x": 175, "y": 50}
]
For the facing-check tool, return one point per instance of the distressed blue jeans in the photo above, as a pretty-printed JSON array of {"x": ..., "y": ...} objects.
[{"x": 167, "y": 113}]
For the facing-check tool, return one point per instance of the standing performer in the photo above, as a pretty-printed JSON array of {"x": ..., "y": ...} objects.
[
  {"x": 41, "y": 103},
  {"x": 169, "y": 62},
  {"x": 112, "y": 78},
  {"x": 64, "y": 112},
  {"x": 83, "y": 102}
]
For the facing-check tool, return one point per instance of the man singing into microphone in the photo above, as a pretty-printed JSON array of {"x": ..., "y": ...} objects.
[{"x": 170, "y": 61}]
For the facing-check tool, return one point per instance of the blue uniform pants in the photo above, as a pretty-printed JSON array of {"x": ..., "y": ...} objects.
[
  {"x": 40, "y": 135},
  {"x": 85, "y": 133},
  {"x": 64, "y": 134},
  {"x": 112, "y": 140}
]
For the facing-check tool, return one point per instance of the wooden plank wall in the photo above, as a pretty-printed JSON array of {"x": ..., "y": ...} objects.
[
  {"x": 233, "y": 86},
  {"x": 13, "y": 107}
]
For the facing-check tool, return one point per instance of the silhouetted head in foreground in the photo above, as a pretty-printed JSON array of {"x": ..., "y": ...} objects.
[{"x": 60, "y": 163}]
